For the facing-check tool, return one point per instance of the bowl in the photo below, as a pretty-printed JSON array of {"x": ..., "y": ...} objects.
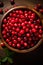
[{"x": 17, "y": 50}]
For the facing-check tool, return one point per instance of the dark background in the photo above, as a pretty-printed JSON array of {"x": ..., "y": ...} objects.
[{"x": 36, "y": 56}]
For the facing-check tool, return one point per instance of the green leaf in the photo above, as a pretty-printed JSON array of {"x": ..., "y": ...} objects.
[
  {"x": 10, "y": 60},
  {"x": 0, "y": 63},
  {"x": 5, "y": 59}
]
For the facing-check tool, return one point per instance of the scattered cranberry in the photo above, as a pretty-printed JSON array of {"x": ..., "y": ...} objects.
[
  {"x": 21, "y": 29},
  {"x": 1, "y": 4},
  {"x": 12, "y": 2},
  {"x": 1, "y": 11}
]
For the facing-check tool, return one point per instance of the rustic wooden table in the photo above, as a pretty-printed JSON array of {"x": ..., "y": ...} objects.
[{"x": 28, "y": 58}]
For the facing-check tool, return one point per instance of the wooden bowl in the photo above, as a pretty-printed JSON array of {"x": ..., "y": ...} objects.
[{"x": 17, "y": 50}]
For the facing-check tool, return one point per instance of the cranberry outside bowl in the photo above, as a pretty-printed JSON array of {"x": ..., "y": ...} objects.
[{"x": 28, "y": 34}]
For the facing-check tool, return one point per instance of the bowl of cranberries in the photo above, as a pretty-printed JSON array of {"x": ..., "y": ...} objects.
[{"x": 21, "y": 29}]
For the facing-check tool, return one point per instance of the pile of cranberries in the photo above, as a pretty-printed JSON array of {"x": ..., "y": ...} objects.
[{"x": 21, "y": 28}]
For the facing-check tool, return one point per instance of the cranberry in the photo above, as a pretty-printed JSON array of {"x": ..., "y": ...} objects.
[
  {"x": 5, "y": 21},
  {"x": 36, "y": 27},
  {"x": 14, "y": 41},
  {"x": 27, "y": 29},
  {"x": 19, "y": 39},
  {"x": 25, "y": 14},
  {"x": 29, "y": 12},
  {"x": 1, "y": 4},
  {"x": 32, "y": 25},
  {"x": 7, "y": 40},
  {"x": 14, "y": 15},
  {"x": 15, "y": 24},
  {"x": 1, "y": 11},
  {"x": 13, "y": 32},
  {"x": 4, "y": 32},
  {"x": 13, "y": 45},
  {"x": 10, "y": 43},
  {"x": 25, "y": 44},
  {"x": 39, "y": 36},
  {"x": 18, "y": 45},
  {"x": 34, "y": 30},
  {"x": 2, "y": 44},
  {"x": 17, "y": 11},
  {"x": 32, "y": 44},
  {"x": 4, "y": 36},
  {"x": 21, "y": 16},
  {"x": 28, "y": 35},
  {"x": 22, "y": 42},
  {"x": 12, "y": 2},
  {"x": 22, "y": 24},
  {"x": 40, "y": 31},
  {"x": 38, "y": 5},
  {"x": 20, "y": 12}
]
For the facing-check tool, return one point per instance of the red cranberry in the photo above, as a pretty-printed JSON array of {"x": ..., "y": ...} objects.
[
  {"x": 14, "y": 15},
  {"x": 10, "y": 43},
  {"x": 4, "y": 36},
  {"x": 34, "y": 30},
  {"x": 39, "y": 36},
  {"x": 1, "y": 4},
  {"x": 19, "y": 39},
  {"x": 25, "y": 14},
  {"x": 27, "y": 29},
  {"x": 5, "y": 21},
  {"x": 13, "y": 45},
  {"x": 25, "y": 44},
  {"x": 14, "y": 41},
  {"x": 2, "y": 44},
  {"x": 29, "y": 12},
  {"x": 12, "y": 2},
  {"x": 22, "y": 42},
  {"x": 13, "y": 32},
  {"x": 17, "y": 29},
  {"x": 28, "y": 35},
  {"x": 21, "y": 16},
  {"x": 20, "y": 12},
  {"x": 36, "y": 27},
  {"x": 1, "y": 11},
  {"x": 18, "y": 45},
  {"x": 32, "y": 25},
  {"x": 40, "y": 31},
  {"x": 21, "y": 31},
  {"x": 15, "y": 24},
  {"x": 7, "y": 40},
  {"x": 17, "y": 11},
  {"x": 32, "y": 44},
  {"x": 3, "y": 32}
]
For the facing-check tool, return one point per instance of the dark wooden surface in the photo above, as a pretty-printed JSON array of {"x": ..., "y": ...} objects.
[{"x": 35, "y": 57}]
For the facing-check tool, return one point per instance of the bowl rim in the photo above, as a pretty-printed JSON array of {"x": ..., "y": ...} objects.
[{"x": 11, "y": 48}]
